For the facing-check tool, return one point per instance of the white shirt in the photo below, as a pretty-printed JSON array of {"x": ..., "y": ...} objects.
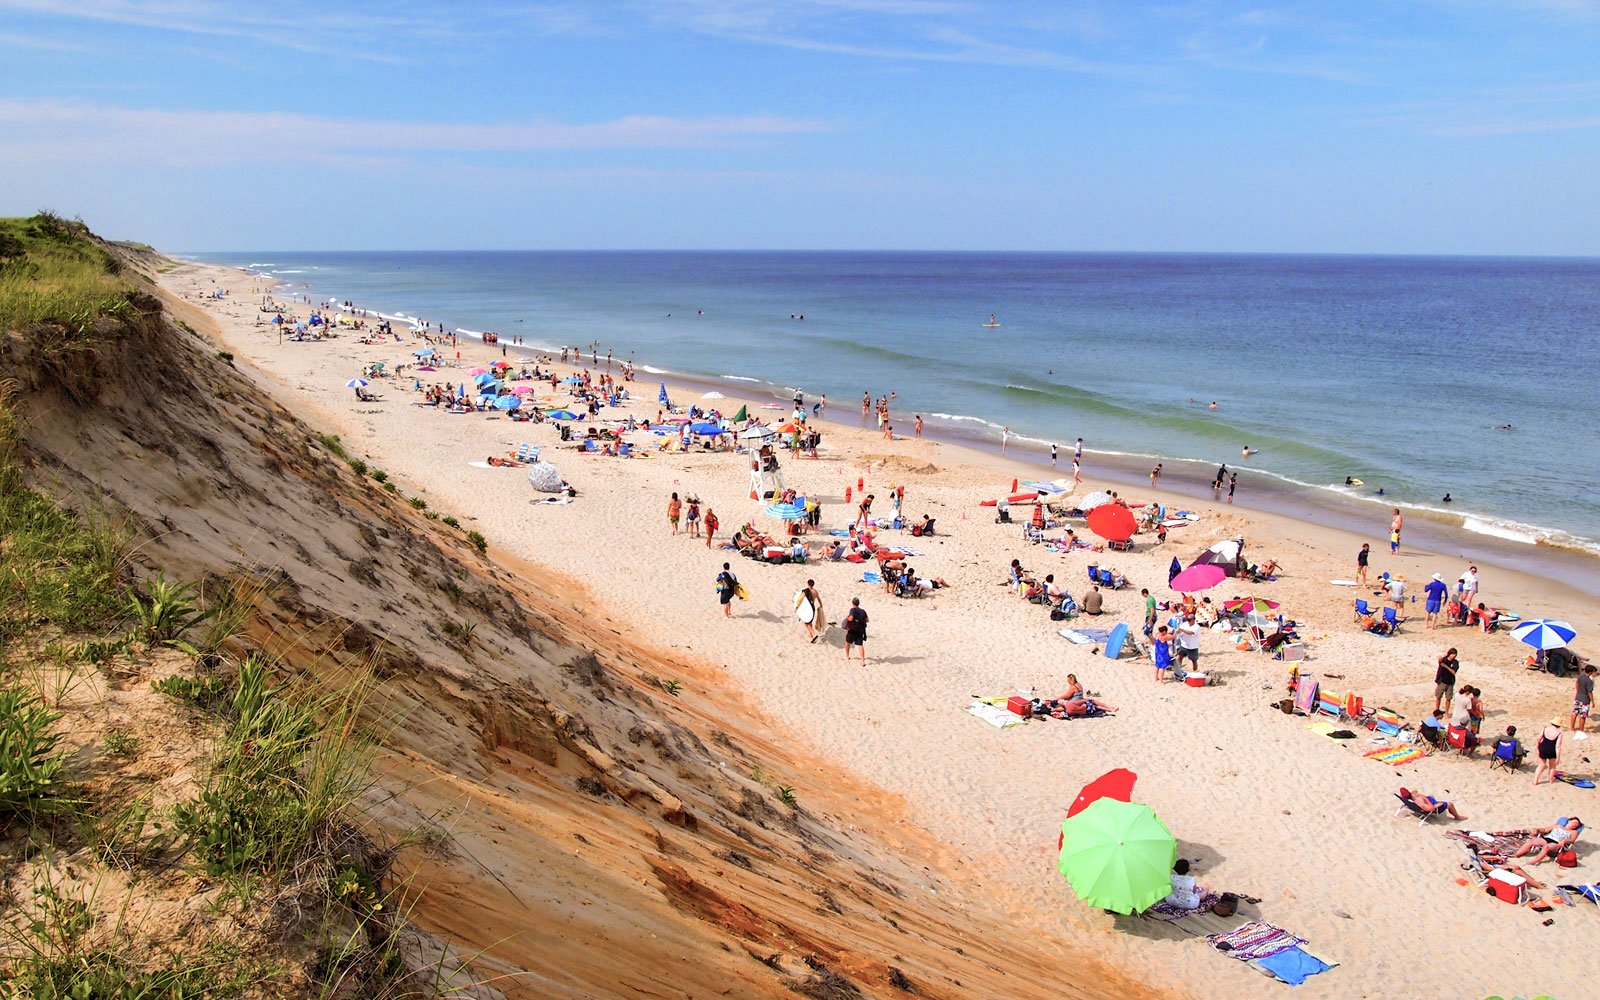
[
  {"x": 1469, "y": 582},
  {"x": 1397, "y": 589},
  {"x": 1188, "y": 636}
]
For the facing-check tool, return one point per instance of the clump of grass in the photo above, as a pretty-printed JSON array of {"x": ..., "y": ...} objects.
[
  {"x": 30, "y": 766},
  {"x": 450, "y": 520},
  {"x": 168, "y": 611},
  {"x": 380, "y": 476},
  {"x": 478, "y": 541},
  {"x": 330, "y": 442},
  {"x": 419, "y": 503},
  {"x": 208, "y": 694},
  {"x": 290, "y": 769},
  {"x": 391, "y": 487},
  {"x": 359, "y": 465},
  {"x": 119, "y": 743},
  {"x": 51, "y": 269},
  {"x": 672, "y": 687},
  {"x": 225, "y": 356},
  {"x": 786, "y": 795},
  {"x": 57, "y": 568}
]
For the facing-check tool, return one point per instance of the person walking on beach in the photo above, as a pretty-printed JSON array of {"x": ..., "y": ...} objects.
[
  {"x": 1394, "y": 532},
  {"x": 1444, "y": 680},
  {"x": 674, "y": 510},
  {"x": 855, "y": 630},
  {"x": 711, "y": 525},
  {"x": 808, "y": 609},
  {"x": 1469, "y": 586},
  {"x": 1582, "y": 699},
  {"x": 1222, "y": 474},
  {"x": 866, "y": 403},
  {"x": 1052, "y": 456},
  {"x": 1155, "y": 475},
  {"x": 1005, "y": 435},
  {"x": 727, "y": 585},
  {"x": 1361, "y": 563},
  {"x": 864, "y": 512},
  {"x": 1077, "y": 453},
  {"x": 694, "y": 517},
  {"x": 917, "y": 427},
  {"x": 1436, "y": 590},
  {"x": 1077, "y": 473},
  {"x": 1149, "y": 611},
  {"x": 1549, "y": 747},
  {"x": 1233, "y": 484}
]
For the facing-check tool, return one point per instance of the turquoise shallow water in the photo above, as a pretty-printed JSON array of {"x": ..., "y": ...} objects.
[{"x": 1395, "y": 371}]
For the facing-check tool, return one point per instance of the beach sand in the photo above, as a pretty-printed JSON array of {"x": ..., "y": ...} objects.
[{"x": 1267, "y": 807}]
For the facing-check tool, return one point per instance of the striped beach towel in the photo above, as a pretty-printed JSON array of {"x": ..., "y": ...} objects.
[
  {"x": 1257, "y": 939},
  {"x": 1395, "y": 756}
]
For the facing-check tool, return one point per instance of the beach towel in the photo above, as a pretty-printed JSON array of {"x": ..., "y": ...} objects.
[
  {"x": 994, "y": 712},
  {"x": 870, "y": 578},
  {"x": 1495, "y": 847},
  {"x": 1305, "y": 696},
  {"x": 1292, "y": 965},
  {"x": 1085, "y": 636},
  {"x": 1257, "y": 939},
  {"x": 1394, "y": 756},
  {"x": 1170, "y": 912}
]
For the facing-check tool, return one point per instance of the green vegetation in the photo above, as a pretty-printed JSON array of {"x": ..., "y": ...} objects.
[
  {"x": 56, "y": 568},
  {"x": 51, "y": 269},
  {"x": 380, "y": 476},
  {"x": 30, "y": 767},
  {"x": 451, "y": 521},
  {"x": 205, "y": 693},
  {"x": 170, "y": 610},
  {"x": 289, "y": 771},
  {"x": 672, "y": 687},
  {"x": 419, "y": 503},
  {"x": 359, "y": 465},
  {"x": 786, "y": 795},
  {"x": 330, "y": 442},
  {"x": 478, "y": 541},
  {"x": 119, "y": 743}
]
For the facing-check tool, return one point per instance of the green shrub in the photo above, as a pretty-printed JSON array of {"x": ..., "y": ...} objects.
[
  {"x": 478, "y": 541},
  {"x": 52, "y": 270},
  {"x": 419, "y": 503},
  {"x": 451, "y": 521},
  {"x": 358, "y": 465},
  {"x": 206, "y": 693},
  {"x": 289, "y": 769},
  {"x": 30, "y": 767},
  {"x": 168, "y": 611},
  {"x": 379, "y": 475},
  {"x": 330, "y": 442},
  {"x": 391, "y": 487},
  {"x": 119, "y": 743}
]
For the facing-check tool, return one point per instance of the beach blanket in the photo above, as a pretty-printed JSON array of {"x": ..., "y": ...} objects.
[
  {"x": 1494, "y": 848},
  {"x": 1394, "y": 756},
  {"x": 994, "y": 712},
  {"x": 1305, "y": 696},
  {"x": 869, "y": 577},
  {"x": 1292, "y": 965},
  {"x": 1256, "y": 939},
  {"x": 1169, "y": 912},
  {"x": 1085, "y": 636}
]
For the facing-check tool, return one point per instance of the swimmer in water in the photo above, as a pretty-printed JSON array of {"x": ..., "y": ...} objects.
[
  {"x": 1348, "y": 481},
  {"x": 1446, "y": 498},
  {"x": 1246, "y": 451},
  {"x": 1213, "y": 405},
  {"x": 1380, "y": 491}
]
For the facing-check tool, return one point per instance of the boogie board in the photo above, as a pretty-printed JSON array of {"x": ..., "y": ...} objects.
[
  {"x": 804, "y": 611},
  {"x": 1119, "y": 635},
  {"x": 1344, "y": 583},
  {"x": 1013, "y": 498}
]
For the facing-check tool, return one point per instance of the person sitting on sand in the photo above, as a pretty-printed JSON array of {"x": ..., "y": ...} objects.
[
  {"x": 1186, "y": 889},
  {"x": 1561, "y": 834},
  {"x": 1488, "y": 619},
  {"x": 837, "y": 551},
  {"x": 1205, "y": 614},
  {"x": 1093, "y": 602},
  {"x": 1019, "y": 577},
  {"x": 1429, "y": 804}
]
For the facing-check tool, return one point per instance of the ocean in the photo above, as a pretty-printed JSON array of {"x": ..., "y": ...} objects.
[{"x": 1419, "y": 376}]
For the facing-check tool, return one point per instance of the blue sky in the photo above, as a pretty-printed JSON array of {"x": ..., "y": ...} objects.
[{"x": 1408, "y": 126}]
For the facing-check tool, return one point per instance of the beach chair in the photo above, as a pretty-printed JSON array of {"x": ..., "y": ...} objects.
[
  {"x": 1032, "y": 534},
  {"x": 1291, "y": 652},
  {"x": 1362, "y": 610},
  {"x": 1126, "y": 545},
  {"x": 1392, "y": 616},
  {"x": 1508, "y": 754},
  {"x": 1407, "y": 803}
]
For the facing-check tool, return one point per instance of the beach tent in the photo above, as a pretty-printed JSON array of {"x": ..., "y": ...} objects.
[
  {"x": 544, "y": 477},
  {"x": 742, "y": 415},
  {"x": 1226, "y": 554}
]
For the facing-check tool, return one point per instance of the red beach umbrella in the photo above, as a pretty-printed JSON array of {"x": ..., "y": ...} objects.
[
  {"x": 1198, "y": 578},
  {"x": 1114, "y": 784},
  {"x": 1113, "y": 522}
]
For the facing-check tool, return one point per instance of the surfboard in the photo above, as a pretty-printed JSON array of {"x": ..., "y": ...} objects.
[
  {"x": 1355, "y": 482},
  {"x": 1343, "y": 583},
  {"x": 1013, "y": 498},
  {"x": 990, "y": 326},
  {"x": 804, "y": 613},
  {"x": 1119, "y": 635}
]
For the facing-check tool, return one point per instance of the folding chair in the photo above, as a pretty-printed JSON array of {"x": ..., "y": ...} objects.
[
  {"x": 1508, "y": 754},
  {"x": 1362, "y": 610},
  {"x": 1392, "y": 616},
  {"x": 1408, "y": 803}
]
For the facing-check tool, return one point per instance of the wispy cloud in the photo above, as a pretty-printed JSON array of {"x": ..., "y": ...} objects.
[
  {"x": 70, "y": 128},
  {"x": 1566, "y": 106}
]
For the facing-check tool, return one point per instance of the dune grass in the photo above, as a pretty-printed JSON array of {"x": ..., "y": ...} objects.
[{"x": 51, "y": 269}]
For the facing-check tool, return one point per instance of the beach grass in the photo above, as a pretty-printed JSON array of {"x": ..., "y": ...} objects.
[{"x": 51, "y": 269}]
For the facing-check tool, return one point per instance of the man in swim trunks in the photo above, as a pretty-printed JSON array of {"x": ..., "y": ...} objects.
[
  {"x": 1361, "y": 563},
  {"x": 1436, "y": 591},
  {"x": 855, "y": 630},
  {"x": 1582, "y": 699},
  {"x": 727, "y": 583}
]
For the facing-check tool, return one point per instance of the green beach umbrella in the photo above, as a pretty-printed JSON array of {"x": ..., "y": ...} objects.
[
  {"x": 1117, "y": 856},
  {"x": 741, "y": 416}
]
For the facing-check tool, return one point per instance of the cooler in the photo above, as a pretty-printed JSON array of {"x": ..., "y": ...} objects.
[
  {"x": 1508, "y": 887},
  {"x": 1020, "y": 706},
  {"x": 1196, "y": 680}
]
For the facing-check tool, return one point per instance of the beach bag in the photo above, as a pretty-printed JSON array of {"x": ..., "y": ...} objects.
[
  {"x": 740, "y": 592},
  {"x": 1567, "y": 858},
  {"x": 1057, "y": 615},
  {"x": 1226, "y": 905}
]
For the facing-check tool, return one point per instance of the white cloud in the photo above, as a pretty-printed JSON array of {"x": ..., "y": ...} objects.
[{"x": 52, "y": 128}]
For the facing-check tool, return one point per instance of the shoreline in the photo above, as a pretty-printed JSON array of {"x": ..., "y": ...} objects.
[
  {"x": 1429, "y": 529},
  {"x": 1242, "y": 786}
]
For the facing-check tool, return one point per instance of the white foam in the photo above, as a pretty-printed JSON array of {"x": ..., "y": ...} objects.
[
  {"x": 652, "y": 370},
  {"x": 731, "y": 378},
  {"x": 1500, "y": 529}
]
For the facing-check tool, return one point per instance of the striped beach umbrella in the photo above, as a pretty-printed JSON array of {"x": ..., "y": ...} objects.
[
  {"x": 356, "y": 383},
  {"x": 1544, "y": 633},
  {"x": 786, "y": 511}
]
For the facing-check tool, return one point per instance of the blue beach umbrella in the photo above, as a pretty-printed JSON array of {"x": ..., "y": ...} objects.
[
  {"x": 786, "y": 511},
  {"x": 562, "y": 415},
  {"x": 1544, "y": 633},
  {"x": 706, "y": 429},
  {"x": 482, "y": 378},
  {"x": 356, "y": 383},
  {"x": 661, "y": 397},
  {"x": 507, "y": 402},
  {"x": 574, "y": 380},
  {"x": 426, "y": 352}
]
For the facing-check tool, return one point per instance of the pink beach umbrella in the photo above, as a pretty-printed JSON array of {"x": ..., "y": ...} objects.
[
  {"x": 1198, "y": 578},
  {"x": 476, "y": 371},
  {"x": 522, "y": 390}
]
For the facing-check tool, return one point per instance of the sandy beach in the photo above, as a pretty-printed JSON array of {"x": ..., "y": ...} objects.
[{"x": 1265, "y": 806}]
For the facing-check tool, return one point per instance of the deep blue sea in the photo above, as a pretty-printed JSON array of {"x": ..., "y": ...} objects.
[{"x": 1398, "y": 371}]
